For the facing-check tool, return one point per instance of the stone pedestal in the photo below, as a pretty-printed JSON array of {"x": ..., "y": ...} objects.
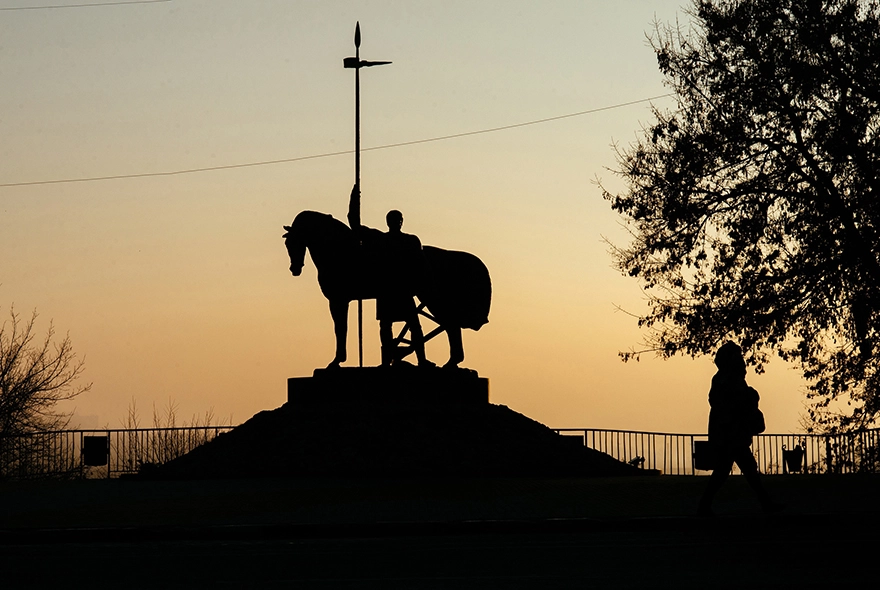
[
  {"x": 392, "y": 423},
  {"x": 380, "y": 387}
]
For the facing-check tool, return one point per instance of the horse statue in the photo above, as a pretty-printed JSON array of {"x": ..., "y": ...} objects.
[{"x": 457, "y": 290}]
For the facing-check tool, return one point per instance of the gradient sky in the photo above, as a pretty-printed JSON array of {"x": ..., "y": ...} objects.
[{"x": 177, "y": 287}]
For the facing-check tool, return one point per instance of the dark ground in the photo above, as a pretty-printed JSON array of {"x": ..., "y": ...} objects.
[{"x": 627, "y": 532}]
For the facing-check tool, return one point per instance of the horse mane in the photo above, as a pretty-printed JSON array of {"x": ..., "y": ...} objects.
[
  {"x": 315, "y": 223},
  {"x": 314, "y": 218}
]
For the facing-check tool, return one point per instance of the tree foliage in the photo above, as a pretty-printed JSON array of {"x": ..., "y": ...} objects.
[
  {"x": 34, "y": 377},
  {"x": 754, "y": 204}
]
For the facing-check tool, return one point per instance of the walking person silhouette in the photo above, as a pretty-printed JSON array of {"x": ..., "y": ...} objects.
[{"x": 733, "y": 419}]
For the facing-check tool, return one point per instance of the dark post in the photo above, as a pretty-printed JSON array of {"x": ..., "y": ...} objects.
[
  {"x": 357, "y": 107},
  {"x": 356, "y": 63},
  {"x": 357, "y": 167}
]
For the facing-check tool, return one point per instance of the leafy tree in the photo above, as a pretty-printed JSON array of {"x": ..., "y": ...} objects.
[
  {"x": 34, "y": 376},
  {"x": 754, "y": 204}
]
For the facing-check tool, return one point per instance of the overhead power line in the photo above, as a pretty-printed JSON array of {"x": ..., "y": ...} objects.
[
  {"x": 93, "y": 5},
  {"x": 329, "y": 154}
]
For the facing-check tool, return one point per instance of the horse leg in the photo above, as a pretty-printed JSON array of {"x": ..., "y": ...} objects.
[
  {"x": 386, "y": 341},
  {"x": 339, "y": 313},
  {"x": 456, "y": 349}
]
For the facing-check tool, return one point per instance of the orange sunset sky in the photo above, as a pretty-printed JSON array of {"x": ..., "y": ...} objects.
[{"x": 177, "y": 287}]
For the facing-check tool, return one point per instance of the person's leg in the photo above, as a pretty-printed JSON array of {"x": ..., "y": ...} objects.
[
  {"x": 745, "y": 460},
  {"x": 723, "y": 465}
]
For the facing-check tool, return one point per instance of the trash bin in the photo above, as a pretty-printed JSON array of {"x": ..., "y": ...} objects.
[
  {"x": 95, "y": 450},
  {"x": 793, "y": 460}
]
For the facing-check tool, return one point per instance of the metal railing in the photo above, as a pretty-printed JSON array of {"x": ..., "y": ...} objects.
[
  {"x": 72, "y": 453},
  {"x": 97, "y": 453},
  {"x": 673, "y": 454}
]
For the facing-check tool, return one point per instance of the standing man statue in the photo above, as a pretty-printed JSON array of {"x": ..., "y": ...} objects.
[{"x": 401, "y": 269}]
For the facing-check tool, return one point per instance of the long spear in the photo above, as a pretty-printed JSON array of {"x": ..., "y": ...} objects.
[{"x": 356, "y": 63}]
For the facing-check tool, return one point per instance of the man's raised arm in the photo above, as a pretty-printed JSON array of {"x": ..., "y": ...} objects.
[{"x": 354, "y": 209}]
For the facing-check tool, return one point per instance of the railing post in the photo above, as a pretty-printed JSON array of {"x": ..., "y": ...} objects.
[
  {"x": 109, "y": 455},
  {"x": 693, "y": 470}
]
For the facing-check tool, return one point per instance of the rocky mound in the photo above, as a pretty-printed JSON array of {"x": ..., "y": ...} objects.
[{"x": 352, "y": 440}]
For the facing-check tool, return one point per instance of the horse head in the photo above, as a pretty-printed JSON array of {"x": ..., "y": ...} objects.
[
  {"x": 295, "y": 241},
  {"x": 327, "y": 239}
]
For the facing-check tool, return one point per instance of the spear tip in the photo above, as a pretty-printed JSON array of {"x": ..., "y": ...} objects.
[{"x": 357, "y": 34}]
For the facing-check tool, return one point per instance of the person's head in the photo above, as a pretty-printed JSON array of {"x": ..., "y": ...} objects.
[
  {"x": 394, "y": 219},
  {"x": 730, "y": 358}
]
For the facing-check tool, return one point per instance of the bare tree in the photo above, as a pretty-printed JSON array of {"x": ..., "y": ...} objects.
[{"x": 34, "y": 376}]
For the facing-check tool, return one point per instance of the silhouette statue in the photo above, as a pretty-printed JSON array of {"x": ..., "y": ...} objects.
[
  {"x": 454, "y": 286},
  {"x": 733, "y": 419}
]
